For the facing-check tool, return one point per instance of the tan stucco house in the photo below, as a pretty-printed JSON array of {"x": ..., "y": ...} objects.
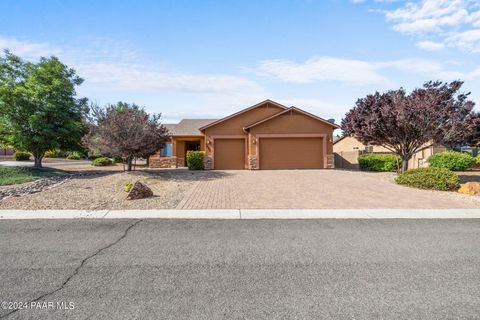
[
  {"x": 347, "y": 149},
  {"x": 267, "y": 135}
]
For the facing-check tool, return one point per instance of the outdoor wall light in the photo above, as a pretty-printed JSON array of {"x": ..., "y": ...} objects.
[{"x": 254, "y": 140}]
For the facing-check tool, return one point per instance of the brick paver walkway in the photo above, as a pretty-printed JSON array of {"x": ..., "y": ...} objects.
[{"x": 314, "y": 189}]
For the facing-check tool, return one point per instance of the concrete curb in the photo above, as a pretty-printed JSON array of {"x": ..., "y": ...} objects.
[{"x": 245, "y": 214}]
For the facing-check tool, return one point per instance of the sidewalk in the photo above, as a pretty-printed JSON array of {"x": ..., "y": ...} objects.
[{"x": 246, "y": 214}]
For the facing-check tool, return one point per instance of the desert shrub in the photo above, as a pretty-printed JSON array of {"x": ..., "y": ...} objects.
[
  {"x": 21, "y": 156},
  {"x": 379, "y": 162},
  {"x": 430, "y": 178},
  {"x": 51, "y": 154},
  {"x": 195, "y": 160},
  {"x": 452, "y": 160},
  {"x": 128, "y": 186},
  {"x": 117, "y": 159},
  {"x": 101, "y": 162},
  {"x": 74, "y": 156}
]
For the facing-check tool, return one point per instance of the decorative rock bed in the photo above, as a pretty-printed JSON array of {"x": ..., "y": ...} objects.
[{"x": 32, "y": 187}]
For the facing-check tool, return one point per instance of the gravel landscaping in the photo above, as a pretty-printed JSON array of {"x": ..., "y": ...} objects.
[{"x": 105, "y": 191}]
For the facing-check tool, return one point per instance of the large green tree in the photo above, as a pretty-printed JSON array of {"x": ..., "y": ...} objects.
[{"x": 39, "y": 109}]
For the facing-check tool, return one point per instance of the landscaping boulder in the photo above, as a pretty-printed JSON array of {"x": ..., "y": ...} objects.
[
  {"x": 472, "y": 188},
  {"x": 139, "y": 191}
]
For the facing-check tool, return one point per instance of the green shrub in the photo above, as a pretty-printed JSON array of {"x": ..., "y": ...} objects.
[
  {"x": 117, "y": 159},
  {"x": 452, "y": 160},
  {"x": 430, "y": 178},
  {"x": 21, "y": 156},
  {"x": 128, "y": 186},
  {"x": 477, "y": 160},
  {"x": 51, "y": 154},
  {"x": 379, "y": 162},
  {"x": 74, "y": 156},
  {"x": 101, "y": 162},
  {"x": 195, "y": 160}
]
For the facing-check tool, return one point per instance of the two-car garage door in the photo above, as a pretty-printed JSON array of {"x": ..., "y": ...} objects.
[
  {"x": 274, "y": 153},
  {"x": 291, "y": 153}
]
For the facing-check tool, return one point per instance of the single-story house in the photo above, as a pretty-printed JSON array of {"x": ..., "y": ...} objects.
[
  {"x": 347, "y": 149},
  {"x": 267, "y": 135}
]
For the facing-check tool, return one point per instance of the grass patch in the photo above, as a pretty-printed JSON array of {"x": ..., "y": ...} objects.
[{"x": 16, "y": 175}]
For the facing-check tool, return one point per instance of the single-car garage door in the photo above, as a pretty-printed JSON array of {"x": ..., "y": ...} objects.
[
  {"x": 229, "y": 154},
  {"x": 291, "y": 153}
]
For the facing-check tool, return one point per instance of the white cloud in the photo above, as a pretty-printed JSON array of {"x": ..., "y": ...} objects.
[
  {"x": 467, "y": 40},
  {"x": 351, "y": 71},
  {"x": 28, "y": 49},
  {"x": 354, "y": 72},
  {"x": 430, "y": 45},
  {"x": 452, "y": 23},
  {"x": 109, "y": 66},
  {"x": 430, "y": 15}
]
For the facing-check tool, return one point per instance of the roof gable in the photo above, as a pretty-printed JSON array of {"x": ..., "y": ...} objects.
[
  {"x": 295, "y": 109},
  {"x": 268, "y": 101}
]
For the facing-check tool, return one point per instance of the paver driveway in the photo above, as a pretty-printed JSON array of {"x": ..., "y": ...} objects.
[{"x": 315, "y": 189}]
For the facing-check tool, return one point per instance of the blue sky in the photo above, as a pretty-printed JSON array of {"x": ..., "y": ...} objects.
[{"x": 207, "y": 59}]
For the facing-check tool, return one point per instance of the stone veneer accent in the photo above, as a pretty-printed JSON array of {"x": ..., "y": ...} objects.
[
  {"x": 166, "y": 162},
  {"x": 252, "y": 162},
  {"x": 330, "y": 161},
  {"x": 208, "y": 163}
]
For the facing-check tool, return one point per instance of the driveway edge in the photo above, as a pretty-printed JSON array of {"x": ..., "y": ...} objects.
[{"x": 245, "y": 214}]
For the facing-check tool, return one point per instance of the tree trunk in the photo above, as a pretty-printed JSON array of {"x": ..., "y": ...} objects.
[
  {"x": 404, "y": 164},
  {"x": 148, "y": 162},
  {"x": 129, "y": 163},
  {"x": 38, "y": 160}
]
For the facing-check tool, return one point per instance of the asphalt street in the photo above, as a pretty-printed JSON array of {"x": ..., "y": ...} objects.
[{"x": 240, "y": 269}]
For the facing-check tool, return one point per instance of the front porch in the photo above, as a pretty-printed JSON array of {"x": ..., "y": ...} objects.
[{"x": 173, "y": 153}]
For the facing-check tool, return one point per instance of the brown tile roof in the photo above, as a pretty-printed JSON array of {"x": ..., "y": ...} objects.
[{"x": 187, "y": 127}]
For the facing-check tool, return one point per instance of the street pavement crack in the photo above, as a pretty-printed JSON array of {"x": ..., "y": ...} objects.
[{"x": 77, "y": 269}]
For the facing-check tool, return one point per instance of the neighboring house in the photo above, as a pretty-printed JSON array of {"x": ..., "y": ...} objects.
[
  {"x": 347, "y": 149},
  {"x": 267, "y": 135}
]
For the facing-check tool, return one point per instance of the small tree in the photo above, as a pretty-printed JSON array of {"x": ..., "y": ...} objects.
[
  {"x": 405, "y": 123},
  {"x": 39, "y": 110},
  {"x": 125, "y": 130}
]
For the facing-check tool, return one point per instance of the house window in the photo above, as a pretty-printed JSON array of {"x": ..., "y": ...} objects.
[{"x": 166, "y": 150}]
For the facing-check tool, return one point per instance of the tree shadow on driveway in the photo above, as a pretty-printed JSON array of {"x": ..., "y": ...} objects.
[{"x": 469, "y": 176}]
